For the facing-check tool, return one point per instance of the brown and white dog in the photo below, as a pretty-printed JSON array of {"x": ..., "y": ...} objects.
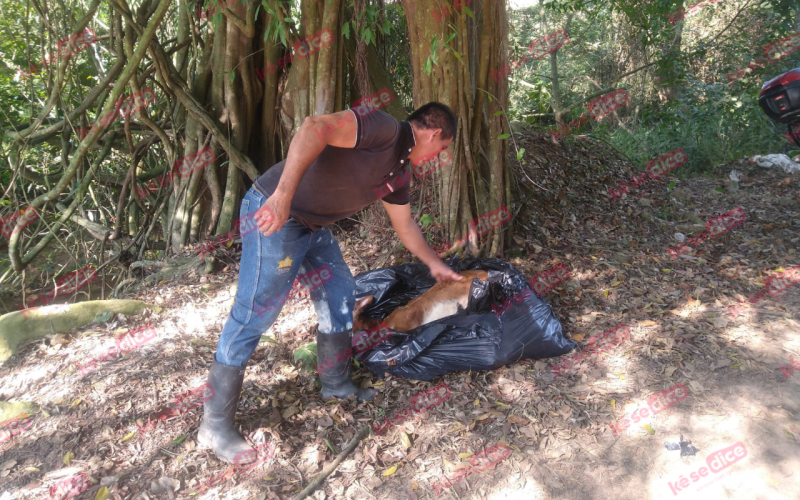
[{"x": 441, "y": 301}]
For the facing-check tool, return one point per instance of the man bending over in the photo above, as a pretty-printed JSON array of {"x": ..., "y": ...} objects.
[{"x": 337, "y": 164}]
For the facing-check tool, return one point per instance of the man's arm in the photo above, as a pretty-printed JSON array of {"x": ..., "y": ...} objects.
[
  {"x": 410, "y": 235},
  {"x": 316, "y": 132}
]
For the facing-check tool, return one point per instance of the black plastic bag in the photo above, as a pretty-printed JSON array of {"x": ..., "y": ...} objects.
[{"x": 475, "y": 339}]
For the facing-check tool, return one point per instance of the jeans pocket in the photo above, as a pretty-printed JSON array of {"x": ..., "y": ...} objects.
[{"x": 245, "y": 224}]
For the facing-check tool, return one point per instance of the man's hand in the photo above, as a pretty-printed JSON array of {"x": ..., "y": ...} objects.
[
  {"x": 410, "y": 235},
  {"x": 273, "y": 214},
  {"x": 442, "y": 272}
]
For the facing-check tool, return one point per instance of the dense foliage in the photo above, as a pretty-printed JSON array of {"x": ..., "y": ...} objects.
[
  {"x": 676, "y": 69},
  {"x": 632, "y": 45}
]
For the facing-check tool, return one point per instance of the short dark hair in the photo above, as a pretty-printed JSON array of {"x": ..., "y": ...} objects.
[{"x": 436, "y": 115}]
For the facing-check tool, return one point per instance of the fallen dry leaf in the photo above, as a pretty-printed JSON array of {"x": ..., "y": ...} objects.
[
  {"x": 405, "y": 439},
  {"x": 515, "y": 419}
]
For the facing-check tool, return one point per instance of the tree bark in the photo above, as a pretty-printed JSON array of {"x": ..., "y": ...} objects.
[{"x": 476, "y": 181}]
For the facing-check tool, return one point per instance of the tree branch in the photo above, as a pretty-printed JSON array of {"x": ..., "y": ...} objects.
[
  {"x": 130, "y": 70},
  {"x": 327, "y": 471}
]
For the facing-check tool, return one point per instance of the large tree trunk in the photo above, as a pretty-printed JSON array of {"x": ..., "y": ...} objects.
[
  {"x": 669, "y": 90},
  {"x": 477, "y": 181},
  {"x": 206, "y": 93},
  {"x": 311, "y": 85}
]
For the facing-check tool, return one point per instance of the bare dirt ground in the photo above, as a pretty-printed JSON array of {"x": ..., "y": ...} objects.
[{"x": 559, "y": 428}]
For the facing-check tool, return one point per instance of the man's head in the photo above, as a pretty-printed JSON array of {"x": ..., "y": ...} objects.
[{"x": 434, "y": 127}]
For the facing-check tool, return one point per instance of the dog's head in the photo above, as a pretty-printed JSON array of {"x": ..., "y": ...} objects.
[{"x": 359, "y": 321}]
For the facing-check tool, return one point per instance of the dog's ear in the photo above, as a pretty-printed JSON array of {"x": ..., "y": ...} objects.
[
  {"x": 358, "y": 310},
  {"x": 362, "y": 304}
]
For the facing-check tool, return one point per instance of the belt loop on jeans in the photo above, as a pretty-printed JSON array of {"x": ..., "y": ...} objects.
[{"x": 255, "y": 187}]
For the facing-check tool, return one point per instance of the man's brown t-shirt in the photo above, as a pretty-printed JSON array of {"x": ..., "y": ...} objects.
[{"x": 342, "y": 181}]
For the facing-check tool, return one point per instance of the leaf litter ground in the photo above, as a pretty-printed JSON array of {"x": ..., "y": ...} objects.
[{"x": 558, "y": 428}]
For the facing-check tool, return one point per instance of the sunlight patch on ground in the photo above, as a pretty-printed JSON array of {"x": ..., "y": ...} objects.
[
  {"x": 294, "y": 321},
  {"x": 31, "y": 376},
  {"x": 194, "y": 319},
  {"x": 710, "y": 475},
  {"x": 531, "y": 491},
  {"x": 726, "y": 475}
]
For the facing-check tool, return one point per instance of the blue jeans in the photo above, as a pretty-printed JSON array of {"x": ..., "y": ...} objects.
[{"x": 267, "y": 270}]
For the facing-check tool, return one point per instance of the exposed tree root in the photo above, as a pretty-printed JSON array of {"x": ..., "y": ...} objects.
[
  {"x": 171, "y": 268},
  {"x": 18, "y": 328},
  {"x": 11, "y": 410}
]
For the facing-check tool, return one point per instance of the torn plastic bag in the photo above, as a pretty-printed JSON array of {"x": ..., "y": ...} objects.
[{"x": 474, "y": 339}]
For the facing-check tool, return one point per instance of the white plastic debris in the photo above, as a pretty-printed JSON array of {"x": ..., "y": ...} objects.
[
  {"x": 777, "y": 161},
  {"x": 734, "y": 176},
  {"x": 680, "y": 237}
]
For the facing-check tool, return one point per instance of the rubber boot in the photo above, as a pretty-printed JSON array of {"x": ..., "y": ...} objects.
[
  {"x": 217, "y": 430},
  {"x": 335, "y": 374}
]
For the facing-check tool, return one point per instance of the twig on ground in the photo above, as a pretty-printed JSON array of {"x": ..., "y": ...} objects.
[
  {"x": 388, "y": 256},
  {"x": 352, "y": 248},
  {"x": 327, "y": 471}
]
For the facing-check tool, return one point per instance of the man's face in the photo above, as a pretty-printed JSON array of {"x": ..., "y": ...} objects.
[{"x": 429, "y": 145}]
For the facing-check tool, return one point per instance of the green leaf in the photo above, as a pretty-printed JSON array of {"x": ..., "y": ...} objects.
[
  {"x": 499, "y": 113},
  {"x": 428, "y": 66},
  {"x": 330, "y": 446},
  {"x": 520, "y": 153},
  {"x": 346, "y": 30},
  {"x": 503, "y": 136},
  {"x": 720, "y": 190},
  {"x": 179, "y": 440},
  {"x": 671, "y": 186},
  {"x": 102, "y": 317},
  {"x": 426, "y": 220},
  {"x": 468, "y": 12},
  {"x": 307, "y": 355},
  {"x": 268, "y": 339}
]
